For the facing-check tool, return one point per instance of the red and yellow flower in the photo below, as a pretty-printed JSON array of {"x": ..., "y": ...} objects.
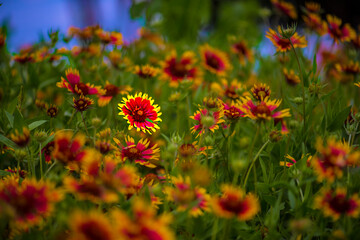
[
  {"x": 228, "y": 90},
  {"x": 287, "y": 163},
  {"x": 21, "y": 139},
  {"x": 286, "y": 8},
  {"x": 233, "y": 111},
  {"x": 337, "y": 203},
  {"x": 111, "y": 91},
  {"x": 73, "y": 84},
  {"x": 241, "y": 49},
  {"x": 214, "y": 60},
  {"x": 47, "y": 151},
  {"x": 263, "y": 110},
  {"x": 290, "y": 77},
  {"x": 207, "y": 121},
  {"x": 233, "y": 202},
  {"x": 68, "y": 149},
  {"x": 260, "y": 91},
  {"x": 141, "y": 112},
  {"x": 82, "y": 103},
  {"x": 283, "y": 44},
  {"x": 141, "y": 152},
  {"x": 332, "y": 159},
  {"x": 183, "y": 194},
  {"x": 146, "y": 71},
  {"x": 90, "y": 225},
  {"x": 178, "y": 69},
  {"x": 314, "y": 22},
  {"x": 346, "y": 72},
  {"x": 338, "y": 33}
]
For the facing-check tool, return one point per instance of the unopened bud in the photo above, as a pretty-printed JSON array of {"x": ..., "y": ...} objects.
[
  {"x": 40, "y": 136},
  {"x": 96, "y": 122}
]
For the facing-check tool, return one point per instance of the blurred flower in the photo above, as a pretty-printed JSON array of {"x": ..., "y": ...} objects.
[
  {"x": 140, "y": 112},
  {"x": 232, "y": 111},
  {"x": 346, "y": 72},
  {"x": 235, "y": 203},
  {"x": 184, "y": 195},
  {"x": 344, "y": 34},
  {"x": 290, "y": 77},
  {"x": 331, "y": 159},
  {"x": 82, "y": 103},
  {"x": 214, "y": 60},
  {"x": 336, "y": 203},
  {"x": 285, "y": 8},
  {"x": 315, "y": 23},
  {"x": 21, "y": 139},
  {"x": 111, "y": 91},
  {"x": 229, "y": 91},
  {"x": 47, "y": 150},
  {"x": 177, "y": 70},
  {"x": 207, "y": 121},
  {"x": 52, "y": 110},
  {"x": 146, "y": 71},
  {"x": 240, "y": 48},
  {"x": 286, "y": 163},
  {"x": 260, "y": 91},
  {"x": 68, "y": 149},
  {"x": 141, "y": 152},
  {"x": 284, "y": 44},
  {"x": 312, "y": 7},
  {"x": 263, "y": 110},
  {"x": 74, "y": 85},
  {"x": 16, "y": 172}
]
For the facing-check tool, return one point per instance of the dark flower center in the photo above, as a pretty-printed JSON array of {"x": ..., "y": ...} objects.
[
  {"x": 232, "y": 204},
  {"x": 132, "y": 153},
  {"x": 262, "y": 109},
  {"x": 339, "y": 204},
  {"x": 111, "y": 90},
  {"x": 178, "y": 70},
  {"x": 93, "y": 231},
  {"x": 82, "y": 89},
  {"x": 212, "y": 61}
]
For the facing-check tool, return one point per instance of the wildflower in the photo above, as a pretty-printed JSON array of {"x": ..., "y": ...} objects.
[
  {"x": 232, "y": 111},
  {"x": 316, "y": 24},
  {"x": 68, "y": 149},
  {"x": 82, "y": 103},
  {"x": 263, "y": 110},
  {"x": 214, "y": 60},
  {"x": 90, "y": 225},
  {"x": 24, "y": 57},
  {"x": 207, "y": 121},
  {"x": 47, "y": 151},
  {"x": 241, "y": 49},
  {"x": 16, "y": 172},
  {"x": 332, "y": 159},
  {"x": 260, "y": 91},
  {"x": 286, "y": 8},
  {"x": 21, "y": 139},
  {"x": 344, "y": 34},
  {"x": 29, "y": 202},
  {"x": 336, "y": 203},
  {"x": 52, "y": 111},
  {"x": 141, "y": 152},
  {"x": 286, "y": 163},
  {"x": 312, "y": 7},
  {"x": 283, "y": 44},
  {"x": 290, "y": 77},
  {"x": 212, "y": 103},
  {"x": 235, "y": 203},
  {"x": 183, "y": 194},
  {"x": 188, "y": 150},
  {"x": 140, "y": 112},
  {"x": 74, "y": 85},
  {"x": 111, "y": 91},
  {"x": 228, "y": 90},
  {"x": 146, "y": 71},
  {"x": 177, "y": 70},
  {"x": 346, "y": 72}
]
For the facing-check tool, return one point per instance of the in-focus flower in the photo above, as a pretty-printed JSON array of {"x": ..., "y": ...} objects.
[
  {"x": 141, "y": 152},
  {"x": 263, "y": 110},
  {"x": 235, "y": 203},
  {"x": 185, "y": 196},
  {"x": 111, "y": 91},
  {"x": 337, "y": 203},
  {"x": 337, "y": 33},
  {"x": 82, "y": 103},
  {"x": 232, "y": 111},
  {"x": 68, "y": 149},
  {"x": 52, "y": 111},
  {"x": 290, "y": 77},
  {"x": 21, "y": 139},
  {"x": 207, "y": 121},
  {"x": 285, "y": 8},
  {"x": 214, "y": 60},
  {"x": 261, "y": 91},
  {"x": 74, "y": 85},
  {"x": 177, "y": 69},
  {"x": 314, "y": 22},
  {"x": 140, "y": 112},
  {"x": 332, "y": 159},
  {"x": 90, "y": 225},
  {"x": 146, "y": 71},
  {"x": 28, "y": 202},
  {"x": 287, "y": 163},
  {"x": 283, "y": 44}
]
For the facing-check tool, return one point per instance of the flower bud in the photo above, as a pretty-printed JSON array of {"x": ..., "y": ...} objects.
[
  {"x": 207, "y": 121},
  {"x": 40, "y": 136},
  {"x": 239, "y": 165},
  {"x": 275, "y": 136},
  {"x": 96, "y": 122},
  {"x": 298, "y": 100},
  {"x": 20, "y": 154}
]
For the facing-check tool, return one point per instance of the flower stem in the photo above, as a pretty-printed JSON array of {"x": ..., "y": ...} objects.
[
  {"x": 83, "y": 120},
  {"x": 47, "y": 172},
  {"x": 40, "y": 162},
  {"x": 215, "y": 229}
]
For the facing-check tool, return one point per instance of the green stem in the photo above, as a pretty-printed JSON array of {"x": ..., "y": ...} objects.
[
  {"x": 40, "y": 161},
  {"x": 215, "y": 229},
  {"x": 253, "y": 162},
  {"x": 52, "y": 165},
  {"x": 83, "y": 120},
  {"x": 30, "y": 163},
  {"x": 72, "y": 116}
]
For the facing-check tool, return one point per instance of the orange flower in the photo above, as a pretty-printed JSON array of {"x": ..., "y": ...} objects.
[
  {"x": 241, "y": 49},
  {"x": 283, "y": 44},
  {"x": 315, "y": 23},
  {"x": 286, "y": 8},
  {"x": 146, "y": 71},
  {"x": 111, "y": 91},
  {"x": 235, "y": 203},
  {"x": 82, "y": 103},
  {"x": 344, "y": 34},
  {"x": 260, "y": 91},
  {"x": 290, "y": 77},
  {"x": 214, "y": 60},
  {"x": 21, "y": 139}
]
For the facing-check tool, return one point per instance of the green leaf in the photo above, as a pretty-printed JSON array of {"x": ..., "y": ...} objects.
[
  {"x": 4, "y": 173},
  {"x": 7, "y": 142},
  {"x": 36, "y": 124},
  {"x": 10, "y": 118},
  {"x": 314, "y": 68},
  {"x": 338, "y": 121}
]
